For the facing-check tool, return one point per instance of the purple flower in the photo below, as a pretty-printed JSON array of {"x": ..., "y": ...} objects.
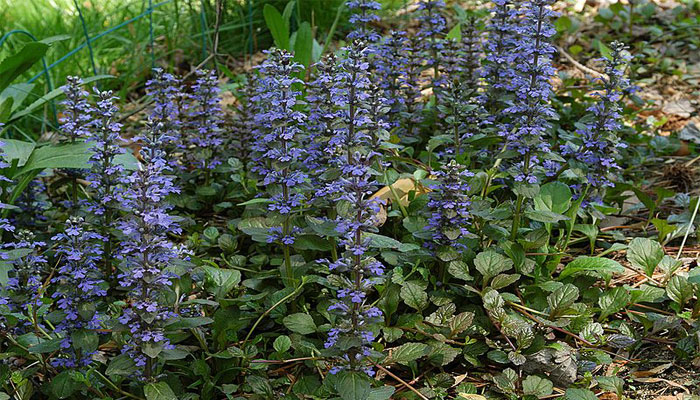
[
  {"x": 596, "y": 150},
  {"x": 105, "y": 175},
  {"x": 77, "y": 113},
  {"x": 78, "y": 283},
  {"x": 449, "y": 206},
  {"x": 280, "y": 148},
  {"x": 168, "y": 96},
  {"x": 531, "y": 86},
  {"x": 146, "y": 249},
  {"x": 21, "y": 293},
  {"x": 360, "y": 128},
  {"x": 363, "y": 14},
  {"x": 205, "y": 132}
]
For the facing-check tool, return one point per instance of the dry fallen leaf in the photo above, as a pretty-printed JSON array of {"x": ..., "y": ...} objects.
[{"x": 645, "y": 374}]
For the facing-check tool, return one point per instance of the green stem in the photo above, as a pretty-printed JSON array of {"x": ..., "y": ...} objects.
[{"x": 269, "y": 310}]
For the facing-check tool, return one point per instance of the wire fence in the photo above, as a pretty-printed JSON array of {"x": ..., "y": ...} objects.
[{"x": 89, "y": 40}]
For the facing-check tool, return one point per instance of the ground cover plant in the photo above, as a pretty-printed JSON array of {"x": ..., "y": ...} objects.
[{"x": 430, "y": 207}]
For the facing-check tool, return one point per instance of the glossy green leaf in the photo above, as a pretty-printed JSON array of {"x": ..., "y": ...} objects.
[
  {"x": 645, "y": 254},
  {"x": 278, "y": 26},
  {"x": 159, "y": 391},
  {"x": 597, "y": 266},
  {"x": 15, "y": 65}
]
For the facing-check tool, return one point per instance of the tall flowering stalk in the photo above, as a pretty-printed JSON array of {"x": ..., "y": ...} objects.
[
  {"x": 352, "y": 336},
  {"x": 498, "y": 68},
  {"x": 531, "y": 86},
  {"x": 243, "y": 124},
  {"x": 281, "y": 144},
  {"x": 79, "y": 286},
  {"x": 77, "y": 113},
  {"x": 449, "y": 206},
  {"x": 105, "y": 173},
  {"x": 599, "y": 144},
  {"x": 22, "y": 293},
  {"x": 168, "y": 95},
  {"x": 363, "y": 15},
  {"x": 392, "y": 63},
  {"x": 323, "y": 113},
  {"x": 205, "y": 121},
  {"x": 75, "y": 121},
  {"x": 147, "y": 251},
  {"x": 431, "y": 33},
  {"x": 411, "y": 89}
]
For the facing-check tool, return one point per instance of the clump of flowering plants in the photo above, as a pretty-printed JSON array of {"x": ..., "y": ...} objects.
[{"x": 380, "y": 221}]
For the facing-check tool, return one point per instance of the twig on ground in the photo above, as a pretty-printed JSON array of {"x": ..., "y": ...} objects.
[
  {"x": 579, "y": 65},
  {"x": 401, "y": 381}
]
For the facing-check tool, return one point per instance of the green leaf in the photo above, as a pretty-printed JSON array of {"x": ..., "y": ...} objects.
[
  {"x": 5, "y": 109},
  {"x": 554, "y": 197},
  {"x": 408, "y": 352},
  {"x": 381, "y": 241},
  {"x": 282, "y": 343},
  {"x": 580, "y": 394},
  {"x": 259, "y": 200},
  {"x": 279, "y": 28},
  {"x": 74, "y": 155},
  {"x": 613, "y": 301},
  {"x": 459, "y": 269},
  {"x": 547, "y": 217},
  {"x": 63, "y": 385},
  {"x": 381, "y": 393},
  {"x": 17, "y": 92},
  {"x": 645, "y": 254},
  {"x": 502, "y": 280},
  {"x": 562, "y": 298},
  {"x": 85, "y": 340},
  {"x": 535, "y": 386},
  {"x": 121, "y": 365},
  {"x": 15, "y": 65},
  {"x": 506, "y": 381},
  {"x": 303, "y": 44},
  {"x": 300, "y": 323},
  {"x": 596, "y": 265},
  {"x": 353, "y": 386},
  {"x": 414, "y": 295},
  {"x": 17, "y": 150},
  {"x": 490, "y": 264},
  {"x": 455, "y": 33},
  {"x": 220, "y": 281},
  {"x": 46, "y": 346},
  {"x": 613, "y": 384},
  {"x": 52, "y": 95},
  {"x": 159, "y": 391},
  {"x": 679, "y": 290}
]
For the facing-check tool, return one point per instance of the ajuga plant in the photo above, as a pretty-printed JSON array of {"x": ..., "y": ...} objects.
[
  {"x": 530, "y": 109},
  {"x": 363, "y": 16},
  {"x": 167, "y": 91},
  {"x": 323, "y": 114},
  {"x": 75, "y": 122},
  {"x": 105, "y": 175},
  {"x": 280, "y": 145},
  {"x": 431, "y": 34},
  {"x": 598, "y": 141},
  {"x": 449, "y": 204},
  {"x": 23, "y": 289},
  {"x": 78, "y": 289},
  {"x": 204, "y": 118},
  {"x": 391, "y": 64},
  {"x": 243, "y": 123},
  {"x": 147, "y": 252},
  {"x": 357, "y": 271}
]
